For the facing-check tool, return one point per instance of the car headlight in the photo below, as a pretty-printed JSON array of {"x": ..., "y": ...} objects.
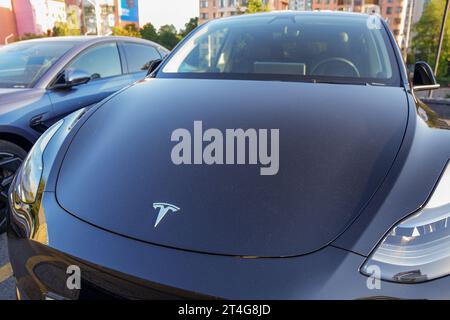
[
  {"x": 30, "y": 174},
  {"x": 418, "y": 248}
]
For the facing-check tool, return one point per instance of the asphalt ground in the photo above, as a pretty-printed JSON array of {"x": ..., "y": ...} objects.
[{"x": 7, "y": 282}]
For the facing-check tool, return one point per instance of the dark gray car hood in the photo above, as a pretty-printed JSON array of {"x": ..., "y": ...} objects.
[{"x": 337, "y": 143}]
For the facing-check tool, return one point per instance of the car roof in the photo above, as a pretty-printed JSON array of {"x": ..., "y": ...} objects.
[
  {"x": 83, "y": 40},
  {"x": 291, "y": 13}
]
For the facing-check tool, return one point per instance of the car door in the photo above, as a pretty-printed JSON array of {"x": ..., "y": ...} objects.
[
  {"x": 103, "y": 62},
  {"x": 138, "y": 56}
]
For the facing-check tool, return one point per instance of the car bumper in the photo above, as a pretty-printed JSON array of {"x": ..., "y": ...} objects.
[{"x": 114, "y": 266}]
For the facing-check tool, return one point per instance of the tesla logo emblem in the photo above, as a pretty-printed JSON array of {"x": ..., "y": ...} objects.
[{"x": 163, "y": 209}]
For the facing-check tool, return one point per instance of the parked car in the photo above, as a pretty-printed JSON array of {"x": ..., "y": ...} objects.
[
  {"x": 271, "y": 156},
  {"x": 43, "y": 80}
]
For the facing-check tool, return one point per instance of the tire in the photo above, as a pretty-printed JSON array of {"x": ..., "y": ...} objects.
[{"x": 11, "y": 157}]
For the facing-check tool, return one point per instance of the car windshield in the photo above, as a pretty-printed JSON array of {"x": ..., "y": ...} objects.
[
  {"x": 297, "y": 47},
  {"x": 23, "y": 63}
]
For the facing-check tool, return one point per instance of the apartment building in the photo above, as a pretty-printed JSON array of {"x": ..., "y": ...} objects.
[
  {"x": 300, "y": 5},
  {"x": 18, "y": 17},
  {"x": 8, "y": 30},
  {"x": 212, "y": 9},
  {"x": 394, "y": 12}
]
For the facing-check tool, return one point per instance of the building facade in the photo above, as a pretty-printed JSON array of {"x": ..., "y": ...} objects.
[
  {"x": 8, "y": 28},
  {"x": 213, "y": 9},
  {"x": 394, "y": 12},
  {"x": 38, "y": 16},
  {"x": 19, "y": 18}
]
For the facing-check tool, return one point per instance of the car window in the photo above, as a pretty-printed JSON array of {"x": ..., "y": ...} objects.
[
  {"x": 23, "y": 63},
  {"x": 292, "y": 47},
  {"x": 139, "y": 55},
  {"x": 101, "y": 61}
]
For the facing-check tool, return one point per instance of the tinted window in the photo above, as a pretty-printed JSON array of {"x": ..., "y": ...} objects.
[
  {"x": 23, "y": 63},
  {"x": 289, "y": 46},
  {"x": 100, "y": 61},
  {"x": 139, "y": 55}
]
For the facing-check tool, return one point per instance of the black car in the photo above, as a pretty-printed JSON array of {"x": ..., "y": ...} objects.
[{"x": 270, "y": 156}]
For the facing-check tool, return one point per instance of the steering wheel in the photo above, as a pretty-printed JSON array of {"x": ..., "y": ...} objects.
[{"x": 336, "y": 60}]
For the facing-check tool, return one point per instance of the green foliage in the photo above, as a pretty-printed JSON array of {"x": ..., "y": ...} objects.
[
  {"x": 424, "y": 43},
  {"x": 148, "y": 32},
  {"x": 168, "y": 36},
  {"x": 254, "y": 6},
  {"x": 62, "y": 29},
  {"x": 72, "y": 19},
  {"x": 129, "y": 30},
  {"x": 189, "y": 26}
]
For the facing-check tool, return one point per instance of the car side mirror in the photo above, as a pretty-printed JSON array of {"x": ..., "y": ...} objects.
[
  {"x": 72, "y": 78},
  {"x": 153, "y": 65},
  {"x": 423, "y": 78}
]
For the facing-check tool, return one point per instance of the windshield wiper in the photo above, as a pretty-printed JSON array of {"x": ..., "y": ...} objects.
[{"x": 361, "y": 83}]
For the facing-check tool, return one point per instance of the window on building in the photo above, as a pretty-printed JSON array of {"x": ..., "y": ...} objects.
[
  {"x": 388, "y": 10},
  {"x": 204, "y": 4},
  {"x": 102, "y": 61},
  {"x": 221, "y": 3},
  {"x": 204, "y": 15},
  {"x": 139, "y": 55},
  {"x": 399, "y": 9}
]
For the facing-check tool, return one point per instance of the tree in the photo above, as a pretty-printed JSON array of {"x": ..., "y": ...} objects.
[
  {"x": 425, "y": 41},
  {"x": 61, "y": 29},
  {"x": 189, "y": 26},
  {"x": 148, "y": 32},
  {"x": 168, "y": 36},
  {"x": 254, "y": 6},
  {"x": 130, "y": 30}
]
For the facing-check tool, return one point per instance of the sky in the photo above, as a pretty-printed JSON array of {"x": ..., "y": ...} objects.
[{"x": 161, "y": 12}]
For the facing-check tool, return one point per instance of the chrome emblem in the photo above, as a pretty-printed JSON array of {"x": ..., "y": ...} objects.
[{"x": 163, "y": 209}]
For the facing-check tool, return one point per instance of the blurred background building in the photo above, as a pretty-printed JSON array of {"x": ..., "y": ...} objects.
[
  {"x": 20, "y": 18},
  {"x": 300, "y": 5}
]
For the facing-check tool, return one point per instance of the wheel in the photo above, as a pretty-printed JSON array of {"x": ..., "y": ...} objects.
[{"x": 11, "y": 157}]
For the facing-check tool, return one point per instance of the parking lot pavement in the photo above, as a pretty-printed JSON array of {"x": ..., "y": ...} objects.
[{"x": 6, "y": 279}]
